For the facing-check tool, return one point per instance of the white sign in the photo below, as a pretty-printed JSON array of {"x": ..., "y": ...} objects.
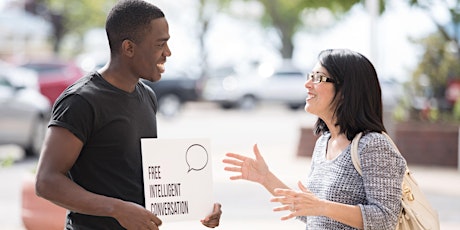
[{"x": 177, "y": 178}]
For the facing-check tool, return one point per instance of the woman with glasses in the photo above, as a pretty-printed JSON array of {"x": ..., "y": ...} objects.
[{"x": 344, "y": 93}]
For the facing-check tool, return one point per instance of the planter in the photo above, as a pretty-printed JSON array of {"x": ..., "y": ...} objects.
[
  {"x": 36, "y": 212},
  {"x": 307, "y": 142},
  {"x": 429, "y": 144}
]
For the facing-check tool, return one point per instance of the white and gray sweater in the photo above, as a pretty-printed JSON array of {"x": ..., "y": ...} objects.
[{"x": 377, "y": 191}]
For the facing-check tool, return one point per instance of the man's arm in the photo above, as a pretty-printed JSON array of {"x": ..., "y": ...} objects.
[{"x": 60, "y": 151}]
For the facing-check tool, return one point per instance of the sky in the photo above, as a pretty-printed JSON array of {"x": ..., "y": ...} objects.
[{"x": 233, "y": 40}]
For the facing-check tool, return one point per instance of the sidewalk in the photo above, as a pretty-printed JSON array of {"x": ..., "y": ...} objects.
[
  {"x": 437, "y": 180},
  {"x": 246, "y": 205},
  {"x": 442, "y": 188}
]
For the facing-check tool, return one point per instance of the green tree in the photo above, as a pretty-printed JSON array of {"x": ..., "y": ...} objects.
[
  {"x": 439, "y": 63},
  {"x": 441, "y": 49},
  {"x": 207, "y": 9},
  {"x": 449, "y": 32},
  {"x": 286, "y": 16},
  {"x": 76, "y": 16}
]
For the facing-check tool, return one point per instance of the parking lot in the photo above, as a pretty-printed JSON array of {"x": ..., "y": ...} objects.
[{"x": 245, "y": 205}]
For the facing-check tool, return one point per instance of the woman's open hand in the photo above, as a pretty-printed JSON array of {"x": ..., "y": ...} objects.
[{"x": 252, "y": 169}]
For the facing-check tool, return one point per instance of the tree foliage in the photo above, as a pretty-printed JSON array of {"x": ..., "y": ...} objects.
[
  {"x": 73, "y": 17},
  {"x": 450, "y": 31},
  {"x": 286, "y": 16},
  {"x": 440, "y": 61},
  {"x": 83, "y": 14}
]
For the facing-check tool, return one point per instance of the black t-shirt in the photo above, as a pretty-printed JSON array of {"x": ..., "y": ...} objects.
[{"x": 110, "y": 122}]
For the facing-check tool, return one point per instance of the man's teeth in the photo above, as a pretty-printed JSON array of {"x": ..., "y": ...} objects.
[{"x": 161, "y": 67}]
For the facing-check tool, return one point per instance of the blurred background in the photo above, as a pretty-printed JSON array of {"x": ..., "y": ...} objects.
[{"x": 236, "y": 76}]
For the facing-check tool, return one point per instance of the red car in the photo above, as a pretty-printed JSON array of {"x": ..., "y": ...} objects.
[{"x": 54, "y": 76}]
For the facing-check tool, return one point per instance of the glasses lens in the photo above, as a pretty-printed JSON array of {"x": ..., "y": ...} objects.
[
  {"x": 312, "y": 77},
  {"x": 316, "y": 78}
]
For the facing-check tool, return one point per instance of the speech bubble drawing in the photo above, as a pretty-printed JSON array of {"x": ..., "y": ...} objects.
[{"x": 196, "y": 157}]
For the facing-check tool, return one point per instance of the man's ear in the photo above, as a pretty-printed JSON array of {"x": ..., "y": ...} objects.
[{"x": 127, "y": 47}]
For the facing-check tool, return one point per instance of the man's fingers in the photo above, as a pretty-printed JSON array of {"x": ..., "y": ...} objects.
[
  {"x": 217, "y": 207},
  {"x": 156, "y": 221}
]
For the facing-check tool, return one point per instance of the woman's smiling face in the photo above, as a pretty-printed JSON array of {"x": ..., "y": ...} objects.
[{"x": 320, "y": 95}]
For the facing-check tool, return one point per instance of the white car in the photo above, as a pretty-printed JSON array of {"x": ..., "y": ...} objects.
[
  {"x": 24, "y": 111},
  {"x": 244, "y": 89}
]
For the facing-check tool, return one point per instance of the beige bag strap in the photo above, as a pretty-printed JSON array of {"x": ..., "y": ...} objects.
[
  {"x": 354, "y": 150},
  {"x": 354, "y": 153}
]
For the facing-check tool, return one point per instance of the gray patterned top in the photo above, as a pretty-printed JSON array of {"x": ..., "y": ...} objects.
[{"x": 377, "y": 191}]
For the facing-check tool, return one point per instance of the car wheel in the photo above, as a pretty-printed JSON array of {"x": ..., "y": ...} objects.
[
  {"x": 295, "y": 106},
  {"x": 227, "y": 105},
  {"x": 169, "y": 105},
  {"x": 248, "y": 102},
  {"x": 37, "y": 136}
]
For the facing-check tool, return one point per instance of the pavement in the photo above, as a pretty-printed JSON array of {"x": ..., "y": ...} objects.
[{"x": 245, "y": 205}]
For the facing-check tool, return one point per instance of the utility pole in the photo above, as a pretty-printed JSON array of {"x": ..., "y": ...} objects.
[{"x": 373, "y": 9}]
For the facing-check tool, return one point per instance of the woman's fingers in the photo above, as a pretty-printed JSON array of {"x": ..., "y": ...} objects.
[
  {"x": 233, "y": 162},
  {"x": 282, "y": 208},
  {"x": 256, "y": 151},
  {"x": 302, "y": 187},
  {"x": 290, "y": 216},
  {"x": 284, "y": 192},
  {"x": 236, "y": 177},
  {"x": 233, "y": 169},
  {"x": 236, "y": 156},
  {"x": 282, "y": 200}
]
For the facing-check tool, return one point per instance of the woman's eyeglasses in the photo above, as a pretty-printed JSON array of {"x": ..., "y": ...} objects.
[{"x": 317, "y": 78}]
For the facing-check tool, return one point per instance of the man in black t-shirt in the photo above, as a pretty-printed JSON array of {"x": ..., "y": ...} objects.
[{"x": 91, "y": 158}]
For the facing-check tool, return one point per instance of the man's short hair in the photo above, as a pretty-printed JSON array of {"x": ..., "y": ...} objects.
[{"x": 129, "y": 19}]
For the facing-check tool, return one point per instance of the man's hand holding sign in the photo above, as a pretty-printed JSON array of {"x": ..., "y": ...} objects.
[{"x": 178, "y": 180}]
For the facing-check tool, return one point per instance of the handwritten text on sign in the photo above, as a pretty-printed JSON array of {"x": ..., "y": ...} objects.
[{"x": 177, "y": 178}]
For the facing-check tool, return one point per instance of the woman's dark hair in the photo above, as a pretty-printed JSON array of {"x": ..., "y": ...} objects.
[
  {"x": 129, "y": 19},
  {"x": 358, "y": 97}
]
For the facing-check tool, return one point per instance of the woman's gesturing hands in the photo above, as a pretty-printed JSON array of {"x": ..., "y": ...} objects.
[
  {"x": 252, "y": 169},
  {"x": 299, "y": 203}
]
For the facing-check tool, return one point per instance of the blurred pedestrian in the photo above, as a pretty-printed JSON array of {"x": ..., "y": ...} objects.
[
  {"x": 91, "y": 159},
  {"x": 344, "y": 92}
]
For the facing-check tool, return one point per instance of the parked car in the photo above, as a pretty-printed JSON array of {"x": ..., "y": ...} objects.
[
  {"x": 19, "y": 76},
  {"x": 173, "y": 90},
  {"x": 245, "y": 88},
  {"x": 54, "y": 75},
  {"x": 24, "y": 113}
]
